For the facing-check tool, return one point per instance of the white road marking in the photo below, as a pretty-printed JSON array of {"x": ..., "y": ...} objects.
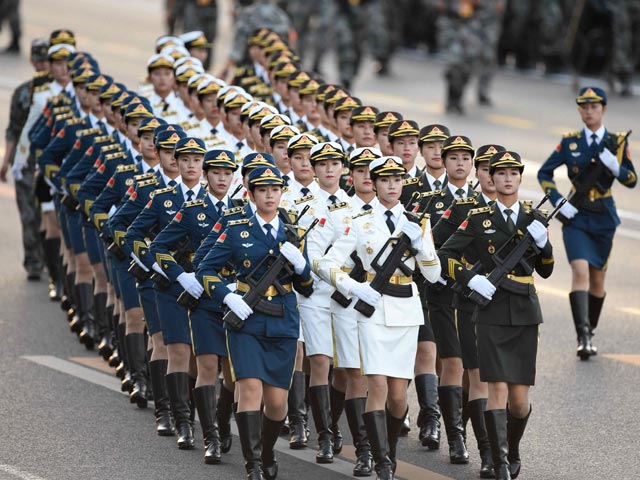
[{"x": 16, "y": 472}]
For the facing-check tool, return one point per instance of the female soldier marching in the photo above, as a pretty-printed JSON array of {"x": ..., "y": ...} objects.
[{"x": 506, "y": 328}]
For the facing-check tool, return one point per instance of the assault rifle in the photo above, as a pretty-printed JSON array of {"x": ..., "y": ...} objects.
[{"x": 506, "y": 262}]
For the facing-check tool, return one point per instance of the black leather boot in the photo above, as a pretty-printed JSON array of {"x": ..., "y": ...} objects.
[
  {"x": 476, "y": 414},
  {"x": 354, "y": 409},
  {"x": 429, "y": 416},
  {"x": 137, "y": 354},
  {"x": 320, "y": 409},
  {"x": 270, "y": 431},
  {"x": 51, "y": 247},
  {"x": 178, "y": 388},
  {"x": 515, "y": 431},
  {"x": 496, "y": 422},
  {"x": 595, "y": 308},
  {"x": 67, "y": 302},
  {"x": 376, "y": 425},
  {"x": 164, "y": 423},
  {"x": 100, "y": 321},
  {"x": 250, "y": 430},
  {"x": 224, "y": 411},
  {"x": 394, "y": 426},
  {"x": 123, "y": 370},
  {"x": 451, "y": 406},
  {"x": 579, "y": 301},
  {"x": 205, "y": 398},
  {"x": 83, "y": 322},
  {"x": 297, "y": 411},
  {"x": 465, "y": 413},
  {"x": 337, "y": 407},
  {"x": 114, "y": 359}
]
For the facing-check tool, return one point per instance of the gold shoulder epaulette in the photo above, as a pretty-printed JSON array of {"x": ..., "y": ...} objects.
[
  {"x": 465, "y": 201},
  {"x": 285, "y": 189},
  {"x": 60, "y": 110},
  {"x": 125, "y": 168},
  {"x": 115, "y": 156},
  {"x": 41, "y": 88},
  {"x": 102, "y": 139},
  {"x": 193, "y": 203},
  {"x": 304, "y": 199},
  {"x": 573, "y": 134},
  {"x": 144, "y": 176},
  {"x": 147, "y": 182},
  {"x": 87, "y": 131},
  {"x": 241, "y": 221},
  {"x": 475, "y": 211},
  {"x": 337, "y": 206},
  {"x": 73, "y": 121},
  {"x": 362, "y": 214},
  {"x": 410, "y": 181},
  {"x": 232, "y": 211},
  {"x": 64, "y": 116},
  {"x": 110, "y": 148},
  {"x": 163, "y": 190}
]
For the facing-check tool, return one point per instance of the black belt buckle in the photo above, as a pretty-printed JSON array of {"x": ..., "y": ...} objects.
[
  {"x": 162, "y": 282},
  {"x": 188, "y": 301}
]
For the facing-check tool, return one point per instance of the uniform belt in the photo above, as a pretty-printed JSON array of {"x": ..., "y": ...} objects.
[
  {"x": 525, "y": 279},
  {"x": 270, "y": 292},
  {"x": 394, "y": 280},
  {"x": 346, "y": 269}
]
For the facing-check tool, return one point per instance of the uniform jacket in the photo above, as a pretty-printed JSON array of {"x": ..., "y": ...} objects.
[{"x": 483, "y": 232}]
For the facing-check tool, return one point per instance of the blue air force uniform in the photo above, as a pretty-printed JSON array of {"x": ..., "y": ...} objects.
[{"x": 266, "y": 346}]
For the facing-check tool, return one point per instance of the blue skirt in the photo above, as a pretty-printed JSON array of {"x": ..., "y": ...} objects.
[
  {"x": 591, "y": 245},
  {"x": 148, "y": 301},
  {"x": 91, "y": 241},
  {"x": 207, "y": 332},
  {"x": 271, "y": 359},
  {"x": 127, "y": 285},
  {"x": 174, "y": 318},
  {"x": 75, "y": 221}
]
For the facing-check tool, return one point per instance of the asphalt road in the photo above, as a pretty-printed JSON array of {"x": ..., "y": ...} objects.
[{"x": 63, "y": 420}]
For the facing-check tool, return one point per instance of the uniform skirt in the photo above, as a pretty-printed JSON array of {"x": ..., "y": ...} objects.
[
  {"x": 594, "y": 246},
  {"x": 207, "y": 332},
  {"x": 149, "y": 307},
  {"x": 507, "y": 353},
  {"x": 174, "y": 318},
  {"x": 443, "y": 321},
  {"x": 386, "y": 350},
  {"x": 271, "y": 359},
  {"x": 467, "y": 335},
  {"x": 345, "y": 336}
]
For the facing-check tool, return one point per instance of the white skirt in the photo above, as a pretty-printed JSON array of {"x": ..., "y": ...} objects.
[
  {"x": 388, "y": 351},
  {"x": 345, "y": 336},
  {"x": 316, "y": 329}
]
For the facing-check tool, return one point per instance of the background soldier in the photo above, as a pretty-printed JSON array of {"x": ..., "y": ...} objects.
[{"x": 29, "y": 211}]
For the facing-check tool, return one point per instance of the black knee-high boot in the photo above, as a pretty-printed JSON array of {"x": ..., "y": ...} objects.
[
  {"x": 250, "y": 430},
  {"x": 354, "y": 409},
  {"x": 164, "y": 423},
  {"x": 376, "y": 425},
  {"x": 205, "y": 398},
  {"x": 321, "y": 410},
  {"x": 496, "y": 422},
  {"x": 178, "y": 388},
  {"x": 337, "y": 407},
  {"x": 451, "y": 407},
  {"x": 394, "y": 426},
  {"x": 429, "y": 416},
  {"x": 476, "y": 414},
  {"x": 224, "y": 411},
  {"x": 515, "y": 431},
  {"x": 137, "y": 355},
  {"x": 595, "y": 308},
  {"x": 270, "y": 431},
  {"x": 579, "y": 301},
  {"x": 297, "y": 411}
]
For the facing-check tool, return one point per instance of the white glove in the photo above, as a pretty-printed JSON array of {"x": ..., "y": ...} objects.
[
  {"x": 610, "y": 161},
  {"x": 137, "y": 260},
  {"x": 567, "y": 210},
  {"x": 365, "y": 293},
  {"x": 237, "y": 305},
  {"x": 483, "y": 286},
  {"x": 16, "y": 171},
  {"x": 539, "y": 233},
  {"x": 156, "y": 268},
  {"x": 190, "y": 284},
  {"x": 292, "y": 253},
  {"x": 413, "y": 231},
  {"x": 442, "y": 281},
  {"x": 232, "y": 286}
]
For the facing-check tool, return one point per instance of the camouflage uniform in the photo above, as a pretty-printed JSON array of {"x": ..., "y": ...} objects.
[
  {"x": 10, "y": 11},
  {"x": 468, "y": 41},
  {"x": 201, "y": 15},
  {"x": 29, "y": 211},
  {"x": 621, "y": 67},
  {"x": 350, "y": 31},
  {"x": 261, "y": 14}
]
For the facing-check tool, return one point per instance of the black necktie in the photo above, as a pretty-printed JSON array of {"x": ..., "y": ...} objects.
[
  {"x": 239, "y": 145},
  {"x": 304, "y": 191},
  {"x": 510, "y": 225},
  {"x": 491, "y": 202},
  {"x": 165, "y": 105},
  {"x": 594, "y": 142},
  {"x": 286, "y": 179},
  {"x": 138, "y": 158},
  {"x": 436, "y": 184},
  {"x": 350, "y": 149},
  {"x": 219, "y": 207},
  {"x": 366, "y": 207},
  {"x": 333, "y": 199},
  {"x": 172, "y": 183},
  {"x": 269, "y": 229},
  {"x": 389, "y": 221},
  {"x": 460, "y": 193},
  {"x": 189, "y": 195},
  {"x": 214, "y": 131},
  {"x": 151, "y": 170},
  {"x": 100, "y": 125}
]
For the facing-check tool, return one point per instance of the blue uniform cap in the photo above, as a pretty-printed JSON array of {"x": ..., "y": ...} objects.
[
  {"x": 259, "y": 159},
  {"x": 265, "y": 176},
  {"x": 505, "y": 159},
  {"x": 220, "y": 159},
  {"x": 591, "y": 95},
  {"x": 189, "y": 145},
  {"x": 167, "y": 139},
  {"x": 150, "y": 124}
]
